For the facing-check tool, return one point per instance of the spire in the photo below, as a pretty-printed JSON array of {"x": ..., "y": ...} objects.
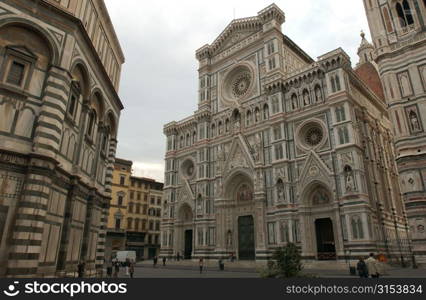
[{"x": 365, "y": 50}]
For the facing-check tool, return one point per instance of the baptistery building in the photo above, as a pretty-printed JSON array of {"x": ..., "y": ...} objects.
[
  {"x": 282, "y": 148},
  {"x": 60, "y": 63}
]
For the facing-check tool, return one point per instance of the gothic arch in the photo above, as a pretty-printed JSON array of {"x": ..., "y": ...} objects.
[
  {"x": 185, "y": 212},
  {"x": 235, "y": 179},
  {"x": 316, "y": 188}
]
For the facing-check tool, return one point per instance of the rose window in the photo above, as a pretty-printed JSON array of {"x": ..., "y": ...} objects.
[
  {"x": 314, "y": 136},
  {"x": 311, "y": 134},
  {"x": 241, "y": 85}
]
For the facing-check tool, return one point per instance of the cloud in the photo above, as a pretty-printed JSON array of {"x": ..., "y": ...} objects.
[{"x": 159, "y": 79}]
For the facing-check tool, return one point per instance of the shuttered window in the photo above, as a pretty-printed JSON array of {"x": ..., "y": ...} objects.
[{"x": 16, "y": 73}]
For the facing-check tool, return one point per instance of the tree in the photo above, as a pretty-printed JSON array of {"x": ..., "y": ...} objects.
[{"x": 285, "y": 263}]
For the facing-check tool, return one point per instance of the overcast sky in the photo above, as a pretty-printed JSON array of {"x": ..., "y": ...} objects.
[{"x": 159, "y": 40}]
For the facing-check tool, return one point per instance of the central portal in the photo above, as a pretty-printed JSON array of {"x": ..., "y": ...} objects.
[
  {"x": 325, "y": 239},
  {"x": 246, "y": 247}
]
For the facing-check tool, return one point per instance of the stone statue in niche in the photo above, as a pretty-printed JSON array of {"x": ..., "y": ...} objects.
[
  {"x": 257, "y": 115},
  {"x": 306, "y": 98},
  {"x": 280, "y": 191},
  {"x": 218, "y": 188},
  {"x": 350, "y": 185},
  {"x": 294, "y": 102},
  {"x": 349, "y": 179},
  {"x": 257, "y": 148},
  {"x": 318, "y": 95},
  {"x": 414, "y": 121},
  {"x": 259, "y": 180},
  {"x": 229, "y": 239}
]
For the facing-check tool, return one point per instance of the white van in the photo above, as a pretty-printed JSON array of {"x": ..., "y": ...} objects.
[{"x": 123, "y": 256}]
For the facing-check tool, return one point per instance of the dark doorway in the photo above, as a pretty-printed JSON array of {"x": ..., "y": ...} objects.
[
  {"x": 325, "y": 239},
  {"x": 188, "y": 244},
  {"x": 246, "y": 248}
]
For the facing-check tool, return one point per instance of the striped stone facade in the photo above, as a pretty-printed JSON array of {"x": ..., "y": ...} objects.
[
  {"x": 398, "y": 30},
  {"x": 59, "y": 113}
]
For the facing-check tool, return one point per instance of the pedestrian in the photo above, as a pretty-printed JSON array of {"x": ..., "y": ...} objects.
[
  {"x": 362, "y": 268},
  {"x": 372, "y": 266},
  {"x": 178, "y": 256},
  {"x": 127, "y": 265},
  {"x": 116, "y": 269},
  {"x": 109, "y": 269},
  {"x": 221, "y": 265},
  {"x": 155, "y": 260},
  {"x": 80, "y": 269},
  {"x": 201, "y": 265},
  {"x": 164, "y": 261},
  {"x": 131, "y": 269}
]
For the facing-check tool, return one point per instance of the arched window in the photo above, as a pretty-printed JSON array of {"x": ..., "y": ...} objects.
[
  {"x": 338, "y": 87},
  {"x": 404, "y": 13},
  {"x": 194, "y": 137},
  {"x": 91, "y": 123},
  {"x": 280, "y": 191},
  {"x": 333, "y": 85},
  {"x": 181, "y": 141},
  {"x": 408, "y": 13},
  {"x": 226, "y": 125},
  {"x": 266, "y": 112},
  {"x": 213, "y": 130},
  {"x": 187, "y": 140},
  {"x": 357, "y": 230},
  {"x": 105, "y": 139}
]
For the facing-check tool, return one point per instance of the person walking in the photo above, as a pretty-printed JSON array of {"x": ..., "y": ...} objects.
[
  {"x": 201, "y": 262},
  {"x": 362, "y": 268},
  {"x": 109, "y": 269},
  {"x": 155, "y": 260},
  {"x": 80, "y": 269},
  {"x": 164, "y": 261},
  {"x": 116, "y": 269},
  {"x": 372, "y": 266},
  {"x": 131, "y": 269}
]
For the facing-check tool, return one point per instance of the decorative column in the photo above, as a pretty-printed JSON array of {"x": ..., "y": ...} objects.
[{"x": 260, "y": 212}]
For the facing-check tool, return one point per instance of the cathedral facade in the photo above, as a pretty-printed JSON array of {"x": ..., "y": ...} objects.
[
  {"x": 60, "y": 63},
  {"x": 282, "y": 148},
  {"x": 398, "y": 30}
]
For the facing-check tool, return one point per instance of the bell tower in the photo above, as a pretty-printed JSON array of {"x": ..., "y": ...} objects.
[{"x": 398, "y": 32}]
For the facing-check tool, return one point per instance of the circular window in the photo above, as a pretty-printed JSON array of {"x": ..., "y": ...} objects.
[
  {"x": 187, "y": 168},
  {"x": 241, "y": 85},
  {"x": 311, "y": 134},
  {"x": 237, "y": 83},
  {"x": 314, "y": 136}
]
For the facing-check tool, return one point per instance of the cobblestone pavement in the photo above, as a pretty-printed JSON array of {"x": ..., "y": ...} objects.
[{"x": 182, "y": 271}]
